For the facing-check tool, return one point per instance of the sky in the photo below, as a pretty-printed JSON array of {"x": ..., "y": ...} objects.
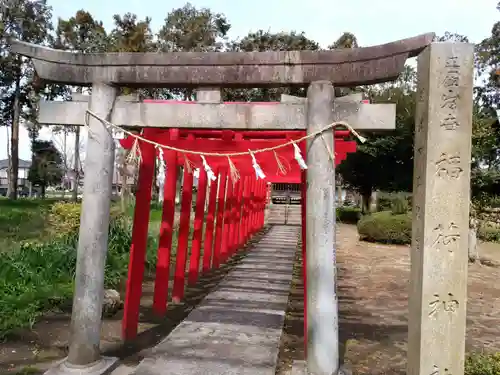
[{"x": 373, "y": 22}]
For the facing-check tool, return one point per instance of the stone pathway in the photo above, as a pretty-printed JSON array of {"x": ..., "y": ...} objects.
[{"x": 237, "y": 328}]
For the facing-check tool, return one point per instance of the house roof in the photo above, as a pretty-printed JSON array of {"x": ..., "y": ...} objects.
[{"x": 4, "y": 164}]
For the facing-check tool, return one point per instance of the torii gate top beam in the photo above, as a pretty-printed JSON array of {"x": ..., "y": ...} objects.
[{"x": 343, "y": 67}]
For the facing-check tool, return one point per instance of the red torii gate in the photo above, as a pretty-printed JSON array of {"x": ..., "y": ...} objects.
[{"x": 235, "y": 210}]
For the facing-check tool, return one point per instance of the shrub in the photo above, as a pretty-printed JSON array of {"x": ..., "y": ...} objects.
[
  {"x": 348, "y": 215},
  {"x": 482, "y": 364},
  {"x": 399, "y": 203},
  {"x": 489, "y": 234},
  {"x": 64, "y": 218},
  {"x": 384, "y": 201},
  {"x": 494, "y": 201},
  {"x": 385, "y": 227},
  {"x": 38, "y": 277}
]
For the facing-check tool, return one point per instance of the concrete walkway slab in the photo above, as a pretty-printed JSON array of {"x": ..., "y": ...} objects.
[{"x": 237, "y": 328}]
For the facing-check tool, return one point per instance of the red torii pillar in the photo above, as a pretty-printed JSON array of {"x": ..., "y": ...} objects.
[{"x": 251, "y": 197}]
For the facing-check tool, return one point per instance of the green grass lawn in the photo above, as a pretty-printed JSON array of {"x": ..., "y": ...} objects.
[{"x": 22, "y": 220}]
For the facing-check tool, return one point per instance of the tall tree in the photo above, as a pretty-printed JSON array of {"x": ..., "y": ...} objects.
[
  {"x": 452, "y": 37},
  {"x": 46, "y": 169},
  {"x": 385, "y": 162},
  {"x": 485, "y": 182},
  {"x": 488, "y": 65},
  {"x": 346, "y": 40},
  {"x": 29, "y": 21},
  {"x": 191, "y": 29},
  {"x": 130, "y": 34},
  {"x": 486, "y": 139},
  {"x": 80, "y": 33}
]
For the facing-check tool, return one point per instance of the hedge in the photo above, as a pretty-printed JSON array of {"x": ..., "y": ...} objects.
[
  {"x": 488, "y": 234},
  {"x": 398, "y": 203},
  {"x": 385, "y": 227},
  {"x": 348, "y": 215}
]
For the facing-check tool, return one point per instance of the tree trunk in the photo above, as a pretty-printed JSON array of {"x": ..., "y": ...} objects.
[
  {"x": 340, "y": 200},
  {"x": 473, "y": 226},
  {"x": 9, "y": 160},
  {"x": 42, "y": 188},
  {"x": 338, "y": 179},
  {"x": 180, "y": 176},
  {"x": 373, "y": 202},
  {"x": 14, "y": 143},
  {"x": 76, "y": 166},
  {"x": 473, "y": 253},
  {"x": 65, "y": 161},
  {"x": 122, "y": 171},
  {"x": 366, "y": 200},
  {"x": 123, "y": 192},
  {"x": 33, "y": 139}
]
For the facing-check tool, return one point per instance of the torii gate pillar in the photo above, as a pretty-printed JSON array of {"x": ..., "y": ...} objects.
[
  {"x": 93, "y": 239},
  {"x": 322, "y": 330}
]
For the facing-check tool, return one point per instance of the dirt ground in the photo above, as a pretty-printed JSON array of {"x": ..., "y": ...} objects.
[
  {"x": 373, "y": 285},
  {"x": 373, "y": 282}
]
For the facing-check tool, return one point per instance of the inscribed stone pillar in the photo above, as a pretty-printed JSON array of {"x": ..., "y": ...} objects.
[
  {"x": 93, "y": 240},
  {"x": 322, "y": 309},
  {"x": 439, "y": 252}
]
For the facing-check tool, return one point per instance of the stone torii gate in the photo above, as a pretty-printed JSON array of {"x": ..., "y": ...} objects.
[
  {"x": 291, "y": 114},
  {"x": 441, "y": 183}
]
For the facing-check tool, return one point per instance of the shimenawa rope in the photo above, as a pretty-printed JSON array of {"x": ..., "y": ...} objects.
[{"x": 234, "y": 172}]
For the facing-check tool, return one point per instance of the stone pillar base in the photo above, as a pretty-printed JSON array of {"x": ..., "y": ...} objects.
[
  {"x": 300, "y": 368},
  {"x": 104, "y": 366}
]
